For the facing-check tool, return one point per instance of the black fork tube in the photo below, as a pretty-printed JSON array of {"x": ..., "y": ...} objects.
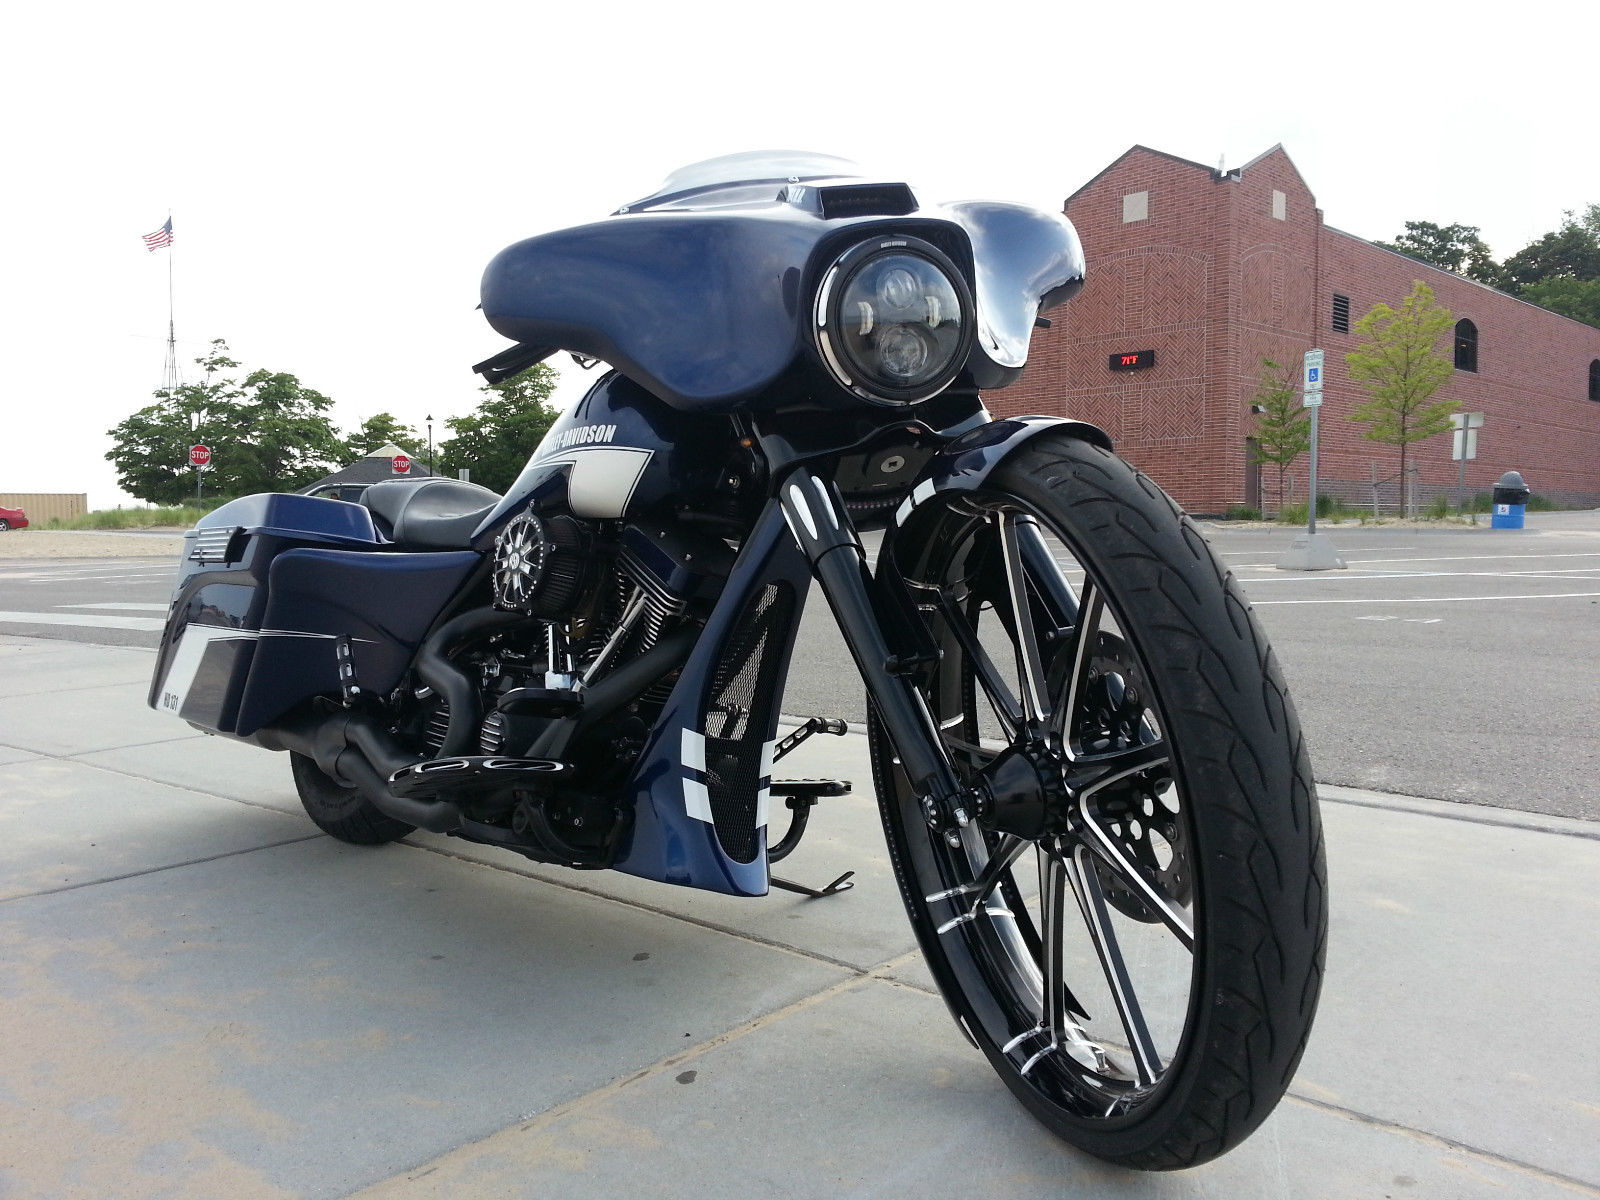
[{"x": 817, "y": 518}]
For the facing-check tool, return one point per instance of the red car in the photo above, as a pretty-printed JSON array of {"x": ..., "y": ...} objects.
[{"x": 12, "y": 518}]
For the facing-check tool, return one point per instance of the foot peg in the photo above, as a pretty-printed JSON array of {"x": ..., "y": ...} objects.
[{"x": 440, "y": 778}]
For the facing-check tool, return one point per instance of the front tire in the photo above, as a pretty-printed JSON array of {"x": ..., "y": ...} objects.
[
  {"x": 1142, "y": 970},
  {"x": 342, "y": 812}
]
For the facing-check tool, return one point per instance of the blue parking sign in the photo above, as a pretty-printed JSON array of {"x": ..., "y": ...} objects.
[{"x": 1315, "y": 374}]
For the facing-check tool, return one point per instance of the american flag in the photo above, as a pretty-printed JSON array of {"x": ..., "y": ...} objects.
[{"x": 161, "y": 237}]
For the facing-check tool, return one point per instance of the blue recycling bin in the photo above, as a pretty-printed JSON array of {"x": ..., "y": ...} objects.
[{"x": 1510, "y": 502}]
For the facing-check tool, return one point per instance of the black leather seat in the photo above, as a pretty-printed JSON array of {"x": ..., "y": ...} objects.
[{"x": 436, "y": 514}]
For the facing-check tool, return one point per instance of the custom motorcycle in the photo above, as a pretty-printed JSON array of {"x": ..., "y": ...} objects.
[{"x": 1092, "y": 781}]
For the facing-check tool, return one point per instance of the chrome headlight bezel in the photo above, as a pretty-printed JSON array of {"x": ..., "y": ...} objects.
[{"x": 827, "y": 321}]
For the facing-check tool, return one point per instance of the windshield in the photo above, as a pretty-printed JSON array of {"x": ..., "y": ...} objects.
[{"x": 742, "y": 178}]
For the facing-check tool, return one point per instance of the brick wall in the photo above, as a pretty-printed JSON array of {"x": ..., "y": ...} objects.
[{"x": 1227, "y": 268}]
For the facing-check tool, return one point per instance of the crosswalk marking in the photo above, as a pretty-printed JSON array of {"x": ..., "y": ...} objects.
[
  {"x": 83, "y": 620},
  {"x": 121, "y": 604}
]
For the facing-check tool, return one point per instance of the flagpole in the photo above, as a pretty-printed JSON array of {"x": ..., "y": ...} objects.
[{"x": 171, "y": 376}]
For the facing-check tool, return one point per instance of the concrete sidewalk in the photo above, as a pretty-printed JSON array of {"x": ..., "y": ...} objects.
[{"x": 201, "y": 996}]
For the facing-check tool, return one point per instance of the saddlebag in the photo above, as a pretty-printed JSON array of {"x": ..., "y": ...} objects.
[{"x": 280, "y": 598}]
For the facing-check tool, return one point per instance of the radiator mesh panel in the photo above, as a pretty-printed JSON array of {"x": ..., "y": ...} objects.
[{"x": 738, "y": 711}]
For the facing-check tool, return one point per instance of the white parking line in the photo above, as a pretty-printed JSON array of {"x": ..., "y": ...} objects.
[
  {"x": 1426, "y": 599},
  {"x": 1474, "y": 557},
  {"x": 1352, "y": 577},
  {"x": 82, "y": 620}
]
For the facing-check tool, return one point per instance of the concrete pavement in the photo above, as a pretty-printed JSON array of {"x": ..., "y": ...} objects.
[{"x": 202, "y": 996}]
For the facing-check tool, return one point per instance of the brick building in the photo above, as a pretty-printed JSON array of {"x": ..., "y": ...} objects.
[{"x": 1214, "y": 270}]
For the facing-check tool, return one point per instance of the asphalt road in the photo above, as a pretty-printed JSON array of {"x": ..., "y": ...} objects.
[
  {"x": 1454, "y": 664},
  {"x": 1457, "y": 665}
]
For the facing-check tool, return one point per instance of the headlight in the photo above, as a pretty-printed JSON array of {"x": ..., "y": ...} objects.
[{"x": 893, "y": 320}]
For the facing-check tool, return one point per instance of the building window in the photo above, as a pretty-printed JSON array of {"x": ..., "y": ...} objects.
[
  {"x": 1135, "y": 207},
  {"x": 1280, "y": 206},
  {"x": 1341, "y": 313},
  {"x": 1466, "y": 346},
  {"x": 1594, "y": 380}
]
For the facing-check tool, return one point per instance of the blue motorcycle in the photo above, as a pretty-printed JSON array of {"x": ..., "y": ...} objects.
[{"x": 1092, "y": 781}]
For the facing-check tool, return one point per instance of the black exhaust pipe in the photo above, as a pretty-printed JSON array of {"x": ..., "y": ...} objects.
[{"x": 355, "y": 748}]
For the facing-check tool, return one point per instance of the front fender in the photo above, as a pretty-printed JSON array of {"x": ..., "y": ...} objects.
[
  {"x": 966, "y": 463},
  {"x": 962, "y": 466}
]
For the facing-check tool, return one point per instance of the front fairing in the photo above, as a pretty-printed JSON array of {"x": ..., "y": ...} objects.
[{"x": 703, "y": 294}]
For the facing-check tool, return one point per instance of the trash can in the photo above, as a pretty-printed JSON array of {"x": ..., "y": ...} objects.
[{"x": 1510, "y": 502}]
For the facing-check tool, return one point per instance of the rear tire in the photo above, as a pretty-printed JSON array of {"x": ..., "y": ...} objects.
[
  {"x": 342, "y": 812},
  {"x": 1150, "y": 669},
  {"x": 4, "y": 525}
]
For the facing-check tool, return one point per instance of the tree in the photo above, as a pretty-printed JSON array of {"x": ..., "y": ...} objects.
[
  {"x": 1283, "y": 433},
  {"x": 1575, "y": 298},
  {"x": 266, "y": 433},
  {"x": 495, "y": 442},
  {"x": 381, "y": 430},
  {"x": 1399, "y": 364},
  {"x": 287, "y": 437},
  {"x": 1456, "y": 248},
  {"x": 1573, "y": 251}
]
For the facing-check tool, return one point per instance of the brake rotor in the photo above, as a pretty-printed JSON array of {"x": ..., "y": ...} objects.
[{"x": 1141, "y": 813}]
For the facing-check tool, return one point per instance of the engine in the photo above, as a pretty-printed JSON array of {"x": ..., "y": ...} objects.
[{"x": 600, "y": 594}]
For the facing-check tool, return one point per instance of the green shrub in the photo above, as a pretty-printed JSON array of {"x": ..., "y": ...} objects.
[
  {"x": 140, "y": 518},
  {"x": 1295, "y": 514},
  {"x": 1438, "y": 508},
  {"x": 1243, "y": 512}
]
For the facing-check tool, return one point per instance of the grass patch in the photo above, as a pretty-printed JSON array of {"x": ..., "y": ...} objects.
[
  {"x": 1243, "y": 512},
  {"x": 136, "y": 518}
]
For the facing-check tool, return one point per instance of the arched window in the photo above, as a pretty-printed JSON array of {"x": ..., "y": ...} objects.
[
  {"x": 1594, "y": 380},
  {"x": 1466, "y": 346}
]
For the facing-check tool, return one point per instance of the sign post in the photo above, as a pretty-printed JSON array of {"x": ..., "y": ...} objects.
[
  {"x": 1312, "y": 393},
  {"x": 1464, "y": 445},
  {"x": 199, "y": 459},
  {"x": 1312, "y": 551}
]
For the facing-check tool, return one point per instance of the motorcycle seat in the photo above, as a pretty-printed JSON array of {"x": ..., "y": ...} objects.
[{"x": 433, "y": 514}]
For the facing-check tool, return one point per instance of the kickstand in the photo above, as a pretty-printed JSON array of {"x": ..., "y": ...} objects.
[
  {"x": 800, "y": 796},
  {"x": 842, "y": 884}
]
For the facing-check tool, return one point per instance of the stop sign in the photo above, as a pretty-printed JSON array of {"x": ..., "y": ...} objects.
[
  {"x": 402, "y": 464},
  {"x": 199, "y": 456}
]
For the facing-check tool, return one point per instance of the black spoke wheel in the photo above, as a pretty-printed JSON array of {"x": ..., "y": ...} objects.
[{"x": 1142, "y": 962}]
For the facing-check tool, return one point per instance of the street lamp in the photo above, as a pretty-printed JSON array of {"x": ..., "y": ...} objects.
[{"x": 429, "y": 419}]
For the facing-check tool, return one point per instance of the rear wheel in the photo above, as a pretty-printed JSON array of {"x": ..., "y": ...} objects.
[
  {"x": 1134, "y": 935},
  {"x": 342, "y": 812},
  {"x": 4, "y": 525}
]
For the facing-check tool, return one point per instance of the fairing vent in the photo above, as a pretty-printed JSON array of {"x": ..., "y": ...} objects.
[
  {"x": 213, "y": 546},
  {"x": 742, "y": 690},
  {"x": 866, "y": 200}
]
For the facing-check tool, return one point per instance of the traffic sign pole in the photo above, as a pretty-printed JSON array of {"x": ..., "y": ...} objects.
[
  {"x": 1312, "y": 551},
  {"x": 1313, "y": 401},
  {"x": 199, "y": 457}
]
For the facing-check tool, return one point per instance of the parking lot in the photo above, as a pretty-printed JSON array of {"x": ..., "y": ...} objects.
[{"x": 203, "y": 996}]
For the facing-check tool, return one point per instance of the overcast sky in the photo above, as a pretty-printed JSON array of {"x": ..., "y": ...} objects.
[{"x": 339, "y": 175}]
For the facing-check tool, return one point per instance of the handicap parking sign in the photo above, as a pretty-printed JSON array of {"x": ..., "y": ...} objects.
[{"x": 1314, "y": 375}]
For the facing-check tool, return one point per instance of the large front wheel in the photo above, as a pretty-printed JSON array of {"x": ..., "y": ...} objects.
[{"x": 1132, "y": 930}]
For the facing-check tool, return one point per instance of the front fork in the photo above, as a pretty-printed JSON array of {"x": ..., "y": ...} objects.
[{"x": 821, "y": 525}]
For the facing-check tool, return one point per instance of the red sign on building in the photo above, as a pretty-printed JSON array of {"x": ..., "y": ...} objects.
[{"x": 402, "y": 465}]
